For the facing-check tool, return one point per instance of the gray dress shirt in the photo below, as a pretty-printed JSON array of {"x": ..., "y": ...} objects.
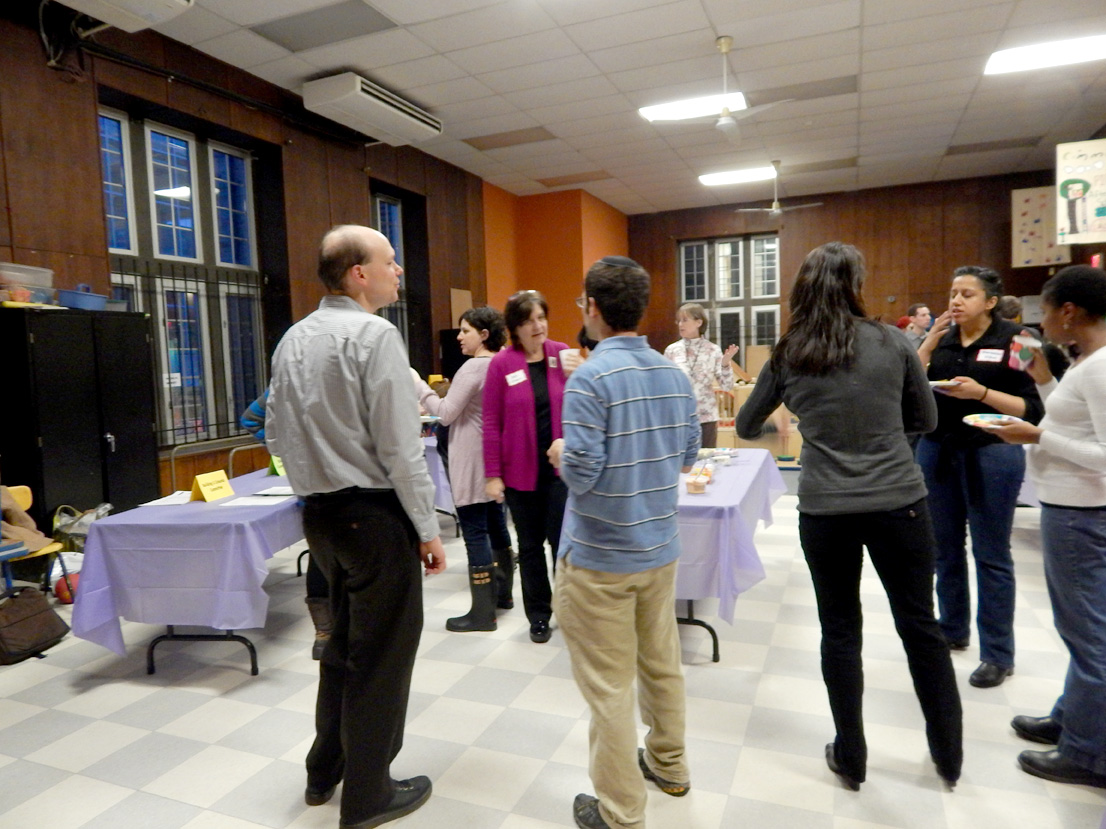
[{"x": 342, "y": 411}]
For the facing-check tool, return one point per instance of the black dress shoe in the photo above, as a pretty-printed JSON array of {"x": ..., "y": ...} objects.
[
  {"x": 831, "y": 761},
  {"x": 407, "y": 796},
  {"x": 959, "y": 644},
  {"x": 540, "y": 632},
  {"x": 317, "y": 797},
  {"x": 1051, "y": 766},
  {"x": 1037, "y": 729},
  {"x": 989, "y": 675},
  {"x": 585, "y": 810},
  {"x": 950, "y": 777}
]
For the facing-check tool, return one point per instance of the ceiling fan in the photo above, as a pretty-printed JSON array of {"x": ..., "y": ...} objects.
[
  {"x": 776, "y": 209},
  {"x": 725, "y": 121}
]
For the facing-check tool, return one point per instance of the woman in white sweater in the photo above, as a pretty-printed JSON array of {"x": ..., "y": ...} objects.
[
  {"x": 483, "y": 521},
  {"x": 1068, "y": 465}
]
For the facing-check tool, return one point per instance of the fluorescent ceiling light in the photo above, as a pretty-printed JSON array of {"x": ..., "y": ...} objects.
[
  {"x": 175, "y": 193},
  {"x": 739, "y": 176},
  {"x": 1056, "y": 53},
  {"x": 694, "y": 107}
]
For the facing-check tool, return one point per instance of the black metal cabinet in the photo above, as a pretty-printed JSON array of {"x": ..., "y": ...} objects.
[{"x": 78, "y": 408}]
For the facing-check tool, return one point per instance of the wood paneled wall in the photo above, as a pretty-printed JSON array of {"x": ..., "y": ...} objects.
[
  {"x": 51, "y": 205},
  {"x": 912, "y": 238}
]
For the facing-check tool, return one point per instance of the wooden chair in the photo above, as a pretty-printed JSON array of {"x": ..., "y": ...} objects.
[
  {"x": 725, "y": 407},
  {"x": 23, "y": 499}
]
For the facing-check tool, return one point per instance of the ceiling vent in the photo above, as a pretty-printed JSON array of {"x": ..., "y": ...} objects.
[
  {"x": 360, "y": 104},
  {"x": 130, "y": 15}
]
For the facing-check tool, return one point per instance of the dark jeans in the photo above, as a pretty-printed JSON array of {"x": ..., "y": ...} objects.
[
  {"x": 1075, "y": 569},
  {"x": 368, "y": 550},
  {"x": 538, "y": 515},
  {"x": 978, "y": 487},
  {"x": 900, "y": 545},
  {"x": 484, "y": 527}
]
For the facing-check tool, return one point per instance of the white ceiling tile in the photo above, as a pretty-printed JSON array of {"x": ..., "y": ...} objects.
[
  {"x": 978, "y": 164},
  {"x": 919, "y": 92},
  {"x": 414, "y": 73},
  {"x": 754, "y": 33},
  {"x": 554, "y": 148},
  {"x": 449, "y": 93},
  {"x": 1044, "y": 12},
  {"x": 406, "y": 12},
  {"x": 516, "y": 51},
  {"x": 485, "y": 25},
  {"x": 645, "y": 24},
  {"x": 937, "y": 27},
  {"x": 603, "y": 105},
  {"x": 243, "y": 48},
  {"x": 922, "y": 73},
  {"x": 555, "y": 94},
  {"x": 888, "y": 11},
  {"x": 1057, "y": 29},
  {"x": 539, "y": 74},
  {"x": 680, "y": 46},
  {"x": 195, "y": 25},
  {"x": 289, "y": 72},
  {"x": 491, "y": 126},
  {"x": 368, "y": 52},
  {"x": 821, "y": 47},
  {"x": 979, "y": 46},
  {"x": 705, "y": 71},
  {"x": 479, "y": 110},
  {"x": 567, "y": 12},
  {"x": 796, "y": 73},
  {"x": 250, "y": 14},
  {"x": 601, "y": 130},
  {"x": 627, "y": 149},
  {"x": 915, "y": 110}
]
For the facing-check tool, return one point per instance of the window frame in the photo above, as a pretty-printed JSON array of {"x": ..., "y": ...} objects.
[
  {"x": 226, "y": 149},
  {"x": 684, "y": 298},
  {"x": 740, "y": 242},
  {"x": 233, "y": 411},
  {"x": 128, "y": 173},
  {"x": 754, "y": 293},
  {"x": 759, "y": 309},
  {"x": 197, "y": 213}
]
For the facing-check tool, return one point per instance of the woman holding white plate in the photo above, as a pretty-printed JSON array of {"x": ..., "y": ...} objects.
[
  {"x": 973, "y": 478},
  {"x": 1067, "y": 461}
]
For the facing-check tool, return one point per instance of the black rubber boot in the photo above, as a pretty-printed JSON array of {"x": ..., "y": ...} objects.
[
  {"x": 320, "y": 617},
  {"x": 482, "y": 614},
  {"x": 505, "y": 565}
]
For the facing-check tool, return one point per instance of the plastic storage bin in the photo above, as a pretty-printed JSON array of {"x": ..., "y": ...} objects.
[
  {"x": 26, "y": 275},
  {"x": 82, "y": 298}
]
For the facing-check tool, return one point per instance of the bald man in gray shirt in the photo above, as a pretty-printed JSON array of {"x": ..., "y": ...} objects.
[{"x": 342, "y": 418}]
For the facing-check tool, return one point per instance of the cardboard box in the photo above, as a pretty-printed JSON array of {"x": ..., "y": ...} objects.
[{"x": 783, "y": 440}]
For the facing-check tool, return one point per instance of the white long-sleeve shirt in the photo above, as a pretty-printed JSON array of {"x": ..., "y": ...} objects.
[
  {"x": 1069, "y": 464},
  {"x": 341, "y": 411}
]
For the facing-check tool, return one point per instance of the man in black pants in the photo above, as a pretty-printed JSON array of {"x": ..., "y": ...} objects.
[{"x": 342, "y": 417}]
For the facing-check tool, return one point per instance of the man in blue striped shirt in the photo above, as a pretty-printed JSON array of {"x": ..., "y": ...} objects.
[{"x": 630, "y": 428}]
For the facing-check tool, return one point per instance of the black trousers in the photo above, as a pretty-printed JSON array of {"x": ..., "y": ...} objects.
[
  {"x": 538, "y": 515},
  {"x": 901, "y": 545},
  {"x": 368, "y": 550}
]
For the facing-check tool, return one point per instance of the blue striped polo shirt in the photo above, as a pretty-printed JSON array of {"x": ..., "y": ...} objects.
[{"x": 630, "y": 425}]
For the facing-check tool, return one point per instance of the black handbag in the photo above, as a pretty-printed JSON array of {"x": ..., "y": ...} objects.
[{"x": 28, "y": 626}]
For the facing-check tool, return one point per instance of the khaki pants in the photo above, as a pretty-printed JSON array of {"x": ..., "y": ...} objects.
[{"x": 616, "y": 626}]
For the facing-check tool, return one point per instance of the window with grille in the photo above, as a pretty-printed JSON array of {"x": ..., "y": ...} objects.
[
  {"x": 388, "y": 218},
  {"x": 737, "y": 280},
  {"x": 190, "y": 261}
]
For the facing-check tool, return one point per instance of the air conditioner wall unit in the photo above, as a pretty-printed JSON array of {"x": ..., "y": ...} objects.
[
  {"x": 130, "y": 15},
  {"x": 360, "y": 104}
]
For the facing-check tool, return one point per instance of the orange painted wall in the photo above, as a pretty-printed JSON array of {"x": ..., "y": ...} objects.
[
  {"x": 606, "y": 230},
  {"x": 500, "y": 244},
  {"x": 550, "y": 243},
  {"x": 546, "y": 243}
]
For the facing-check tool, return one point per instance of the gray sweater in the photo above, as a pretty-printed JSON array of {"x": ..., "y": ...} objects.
[{"x": 854, "y": 422}]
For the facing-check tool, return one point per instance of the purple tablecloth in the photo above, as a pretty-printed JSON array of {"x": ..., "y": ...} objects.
[
  {"x": 719, "y": 558},
  {"x": 188, "y": 564},
  {"x": 443, "y": 495}
]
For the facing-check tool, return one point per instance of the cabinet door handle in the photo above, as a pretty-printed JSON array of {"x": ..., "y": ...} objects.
[{"x": 110, "y": 438}]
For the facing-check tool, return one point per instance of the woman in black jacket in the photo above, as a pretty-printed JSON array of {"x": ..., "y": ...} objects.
[{"x": 858, "y": 389}]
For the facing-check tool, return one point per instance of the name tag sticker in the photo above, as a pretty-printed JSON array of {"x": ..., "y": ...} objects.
[
  {"x": 552, "y": 362},
  {"x": 516, "y": 377},
  {"x": 211, "y": 486},
  {"x": 990, "y": 355}
]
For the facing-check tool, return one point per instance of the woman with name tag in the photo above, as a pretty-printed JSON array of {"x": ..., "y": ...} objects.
[
  {"x": 1067, "y": 461},
  {"x": 705, "y": 365},
  {"x": 973, "y": 478},
  {"x": 522, "y": 417}
]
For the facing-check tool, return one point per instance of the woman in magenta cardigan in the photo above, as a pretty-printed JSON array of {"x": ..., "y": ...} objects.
[{"x": 522, "y": 417}]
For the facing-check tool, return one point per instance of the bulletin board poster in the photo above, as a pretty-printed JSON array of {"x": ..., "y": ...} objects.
[
  {"x": 1033, "y": 229},
  {"x": 1081, "y": 192}
]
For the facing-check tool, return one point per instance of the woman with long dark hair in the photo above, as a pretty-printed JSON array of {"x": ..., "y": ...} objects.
[
  {"x": 522, "y": 417},
  {"x": 858, "y": 390},
  {"x": 1067, "y": 461},
  {"x": 483, "y": 523},
  {"x": 974, "y": 478}
]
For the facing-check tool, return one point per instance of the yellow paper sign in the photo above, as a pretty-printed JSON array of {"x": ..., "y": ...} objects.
[
  {"x": 276, "y": 466},
  {"x": 211, "y": 486}
]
